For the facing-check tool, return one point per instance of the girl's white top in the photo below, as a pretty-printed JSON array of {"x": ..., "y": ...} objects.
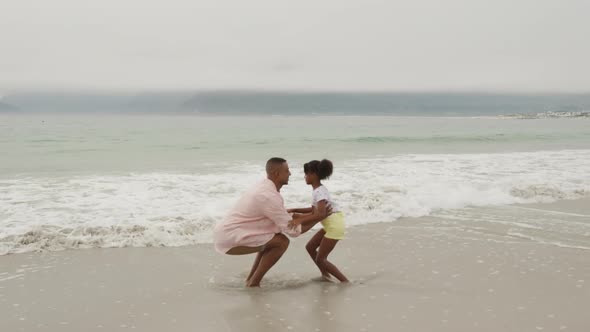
[{"x": 321, "y": 193}]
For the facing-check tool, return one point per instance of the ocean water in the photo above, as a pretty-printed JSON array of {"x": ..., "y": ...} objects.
[{"x": 111, "y": 180}]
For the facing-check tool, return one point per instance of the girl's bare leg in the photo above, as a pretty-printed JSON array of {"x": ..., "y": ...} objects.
[
  {"x": 312, "y": 247},
  {"x": 326, "y": 247}
]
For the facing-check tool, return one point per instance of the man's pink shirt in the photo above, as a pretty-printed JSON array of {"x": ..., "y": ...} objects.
[{"x": 255, "y": 219}]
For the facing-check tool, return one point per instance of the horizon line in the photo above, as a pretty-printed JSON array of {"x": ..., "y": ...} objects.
[{"x": 10, "y": 91}]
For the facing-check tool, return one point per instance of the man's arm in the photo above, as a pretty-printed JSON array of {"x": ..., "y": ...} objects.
[
  {"x": 272, "y": 208},
  {"x": 322, "y": 211}
]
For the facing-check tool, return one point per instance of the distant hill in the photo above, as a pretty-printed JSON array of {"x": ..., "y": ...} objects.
[
  {"x": 65, "y": 101},
  {"x": 4, "y": 107},
  {"x": 88, "y": 102},
  {"x": 296, "y": 103},
  {"x": 170, "y": 102},
  {"x": 381, "y": 103}
]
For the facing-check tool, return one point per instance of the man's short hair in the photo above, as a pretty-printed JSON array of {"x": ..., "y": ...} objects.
[{"x": 273, "y": 163}]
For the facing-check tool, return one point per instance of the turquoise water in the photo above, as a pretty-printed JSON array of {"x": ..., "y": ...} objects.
[
  {"x": 72, "y": 181},
  {"x": 62, "y": 144}
]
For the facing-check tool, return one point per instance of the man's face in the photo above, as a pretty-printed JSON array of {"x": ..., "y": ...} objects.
[{"x": 283, "y": 174}]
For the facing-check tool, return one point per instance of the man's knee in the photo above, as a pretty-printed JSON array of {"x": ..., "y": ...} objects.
[
  {"x": 282, "y": 241},
  {"x": 286, "y": 242}
]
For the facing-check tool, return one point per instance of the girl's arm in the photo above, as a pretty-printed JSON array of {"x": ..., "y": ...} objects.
[
  {"x": 300, "y": 210},
  {"x": 309, "y": 220}
]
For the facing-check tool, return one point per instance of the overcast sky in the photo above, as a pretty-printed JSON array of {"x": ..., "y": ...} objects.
[{"x": 500, "y": 45}]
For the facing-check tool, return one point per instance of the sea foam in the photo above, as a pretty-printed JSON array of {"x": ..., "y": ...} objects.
[{"x": 175, "y": 209}]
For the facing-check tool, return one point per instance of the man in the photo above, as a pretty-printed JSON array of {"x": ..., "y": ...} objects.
[{"x": 258, "y": 222}]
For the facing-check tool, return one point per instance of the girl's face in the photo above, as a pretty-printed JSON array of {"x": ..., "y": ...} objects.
[{"x": 310, "y": 178}]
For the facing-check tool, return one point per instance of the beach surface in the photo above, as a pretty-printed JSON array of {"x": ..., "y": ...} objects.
[{"x": 415, "y": 274}]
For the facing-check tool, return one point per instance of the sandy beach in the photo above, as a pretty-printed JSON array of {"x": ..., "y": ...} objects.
[
  {"x": 138, "y": 140},
  {"x": 415, "y": 274}
]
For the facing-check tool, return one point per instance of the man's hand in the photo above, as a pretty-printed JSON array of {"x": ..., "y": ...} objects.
[
  {"x": 293, "y": 224},
  {"x": 328, "y": 209}
]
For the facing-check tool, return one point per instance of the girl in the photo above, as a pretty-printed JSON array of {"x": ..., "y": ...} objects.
[{"x": 333, "y": 225}]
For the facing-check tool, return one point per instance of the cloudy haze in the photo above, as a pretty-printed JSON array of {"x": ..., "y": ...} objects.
[{"x": 518, "y": 45}]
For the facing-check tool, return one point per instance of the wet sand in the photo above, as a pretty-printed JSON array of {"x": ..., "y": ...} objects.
[{"x": 416, "y": 274}]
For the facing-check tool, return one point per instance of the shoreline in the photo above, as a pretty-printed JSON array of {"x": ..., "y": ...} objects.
[{"x": 417, "y": 274}]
